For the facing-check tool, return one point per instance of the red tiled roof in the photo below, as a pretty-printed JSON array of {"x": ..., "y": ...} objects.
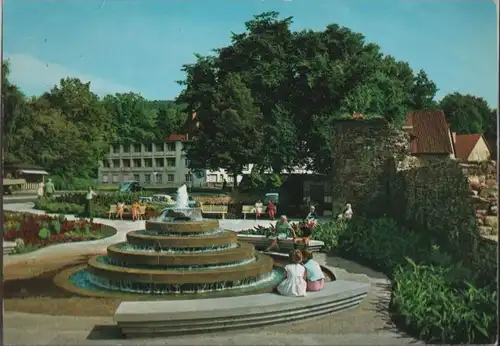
[
  {"x": 430, "y": 133},
  {"x": 464, "y": 145},
  {"x": 174, "y": 137}
]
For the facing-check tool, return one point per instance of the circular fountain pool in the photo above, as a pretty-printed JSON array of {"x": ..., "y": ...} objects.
[{"x": 180, "y": 253}]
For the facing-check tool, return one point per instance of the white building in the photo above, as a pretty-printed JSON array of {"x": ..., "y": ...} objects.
[
  {"x": 149, "y": 164},
  {"x": 162, "y": 164}
]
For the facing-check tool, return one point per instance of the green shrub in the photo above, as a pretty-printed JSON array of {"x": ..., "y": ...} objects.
[
  {"x": 428, "y": 305},
  {"x": 55, "y": 226},
  {"x": 44, "y": 233},
  {"x": 379, "y": 243},
  {"x": 329, "y": 233},
  {"x": 72, "y": 184},
  {"x": 432, "y": 291},
  {"x": 104, "y": 199}
]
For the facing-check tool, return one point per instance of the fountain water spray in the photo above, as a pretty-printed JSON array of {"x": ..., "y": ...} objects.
[{"x": 182, "y": 200}]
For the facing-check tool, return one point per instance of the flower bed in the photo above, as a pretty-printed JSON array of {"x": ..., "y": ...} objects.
[{"x": 30, "y": 231}]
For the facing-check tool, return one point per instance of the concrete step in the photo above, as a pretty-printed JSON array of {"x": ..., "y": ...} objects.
[{"x": 147, "y": 319}]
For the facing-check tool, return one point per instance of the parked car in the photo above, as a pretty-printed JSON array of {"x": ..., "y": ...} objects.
[
  {"x": 163, "y": 199},
  {"x": 273, "y": 196},
  {"x": 130, "y": 186}
]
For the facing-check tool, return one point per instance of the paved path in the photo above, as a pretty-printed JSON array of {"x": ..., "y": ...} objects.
[{"x": 368, "y": 324}]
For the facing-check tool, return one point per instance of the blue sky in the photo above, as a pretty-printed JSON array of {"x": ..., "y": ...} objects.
[{"x": 140, "y": 46}]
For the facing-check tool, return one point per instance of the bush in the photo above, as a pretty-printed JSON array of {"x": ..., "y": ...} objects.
[
  {"x": 105, "y": 199},
  {"x": 428, "y": 305},
  {"x": 70, "y": 183},
  {"x": 379, "y": 243},
  {"x": 435, "y": 297},
  {"x": 329, "y": 233}
]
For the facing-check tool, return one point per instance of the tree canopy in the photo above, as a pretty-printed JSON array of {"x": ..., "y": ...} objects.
[
  {"x": 300, "y": 81},
  {"x": 267, "y": 98},
  {"x": 68, "y": 129}
]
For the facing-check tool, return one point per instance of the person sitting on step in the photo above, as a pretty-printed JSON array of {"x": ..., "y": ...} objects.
[
  {"x": 314, "y": 275},
  {"x": 294, "y": 283}
]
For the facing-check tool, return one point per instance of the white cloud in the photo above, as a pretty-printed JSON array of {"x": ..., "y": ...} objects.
[{"x": 35, "y": 76}]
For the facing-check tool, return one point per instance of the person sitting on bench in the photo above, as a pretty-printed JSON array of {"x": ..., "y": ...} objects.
[{"x": 120, "y": 209}]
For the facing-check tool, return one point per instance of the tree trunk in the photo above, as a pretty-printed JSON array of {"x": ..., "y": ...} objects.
[{"x": 235, "y": 179}]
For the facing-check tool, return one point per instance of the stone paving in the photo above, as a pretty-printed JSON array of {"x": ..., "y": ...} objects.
[{"x": 368, "y": 324}]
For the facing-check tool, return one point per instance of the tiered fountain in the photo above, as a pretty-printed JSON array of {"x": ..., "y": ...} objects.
[{"x": 179, "y": 253}]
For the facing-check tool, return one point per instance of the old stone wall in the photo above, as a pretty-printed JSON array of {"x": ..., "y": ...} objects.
[{"x": 364, "y": 156}]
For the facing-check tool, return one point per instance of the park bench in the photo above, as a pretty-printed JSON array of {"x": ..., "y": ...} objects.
[
  {"x": 214, "y": 209},
  {"x": 127, "y": 211},
  {"x": 250, "y": 209},
  {"x": 262, "y": 242}
]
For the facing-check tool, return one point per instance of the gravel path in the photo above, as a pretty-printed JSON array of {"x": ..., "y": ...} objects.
[{"x": 367, "y": 324}]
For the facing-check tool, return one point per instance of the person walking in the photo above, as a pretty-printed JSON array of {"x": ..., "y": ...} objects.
[
  {"x": 88, "y": 203},
  {"x": 49, "y": 189},
  {"x": 271, "y": 209}
]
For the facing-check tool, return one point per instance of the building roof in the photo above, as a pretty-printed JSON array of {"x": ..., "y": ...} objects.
[
  {"x": 464, "y": 144},
  {"x": 176, "y": 137},
  {"x": 430, "y": 132}
]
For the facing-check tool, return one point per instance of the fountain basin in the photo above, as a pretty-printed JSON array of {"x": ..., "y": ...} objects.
[
  {"x": 182, "y": 226},
  {"x": 218, "y": 239},
  {"x": 242, "y": 252},
  {"x": 262, "y": 265}
]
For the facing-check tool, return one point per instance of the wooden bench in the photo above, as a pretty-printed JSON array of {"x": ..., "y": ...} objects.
[
  {"x": 214, "y": 209},
  {"x": 261, "y": 242},
  {"x": 250, "y": 209},
  {"x": 127, "y": 212}
]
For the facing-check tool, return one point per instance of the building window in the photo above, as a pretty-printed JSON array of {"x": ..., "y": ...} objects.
[
  {"x": 105, "y": 179},
  {"x": 159, "y": 162},
  {"x": 170, "y": 178},
  {"x": 147, "y": 178},
  {"x": 137, "y": 177},
  {"x": 149, "y": 148},
  {"x": 171, "y": 146},
  {"x": 159, "y": 178},
  {"x": 148, "y": 163},
  {"x": 114, "y": 178},
  {"x": 137, "y": 148},
  {"x": 105, "y": 163},
  {"x": 116, "y": 149},
  {"x": 186, "y": 162},
  {"x": 126, "y": 163},
  {"x": 137, "y": 163},
  {"x": 159, "y": 147},
  {"x": 189, "y": 177},
  {"x": 126, "y": 148},
  {"x": 212, "y": 178},
  {"x": 116, "y": 163},
  {"x": 170, "y": 162}
]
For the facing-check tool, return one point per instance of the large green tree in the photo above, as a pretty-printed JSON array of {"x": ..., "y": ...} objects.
[
  {"x": 301, "y": 81},
  {"x": 230, "y": 134},
  {"x": 467, "y": 113}
]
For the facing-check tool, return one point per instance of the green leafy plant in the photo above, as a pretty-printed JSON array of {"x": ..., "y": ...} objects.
[
  {"x": 429, "y": 306},
  {"x": 44, "y": 233},
  {"x": 55, "y": 226}
]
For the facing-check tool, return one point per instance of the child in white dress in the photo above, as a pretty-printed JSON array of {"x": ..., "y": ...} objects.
[{"x": 294, "y": 284}]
